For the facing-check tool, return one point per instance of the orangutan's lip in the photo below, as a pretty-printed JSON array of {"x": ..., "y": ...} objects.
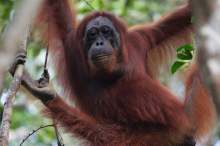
[{"x": 101, "y": 57}]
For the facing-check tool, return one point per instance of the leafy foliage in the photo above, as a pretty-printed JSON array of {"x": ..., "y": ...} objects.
[
  {"x": 5, "y": 11},
  {"x": 184, "y": 57}
]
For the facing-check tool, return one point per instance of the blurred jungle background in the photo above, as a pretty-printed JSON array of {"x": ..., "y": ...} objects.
[{"x": 26, "y": 111}]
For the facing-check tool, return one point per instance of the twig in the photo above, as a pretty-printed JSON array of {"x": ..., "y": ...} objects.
[
  {"x": 10, "y": 95},
  {"x": 34, "y": 131},
  {"x": 6, "y": 119},
  {"x": 11, "y": 40},
  {"x": 11, "y": 37},
  {"x": 91, "y": 7},
  {"x": 59, "y": 138}
]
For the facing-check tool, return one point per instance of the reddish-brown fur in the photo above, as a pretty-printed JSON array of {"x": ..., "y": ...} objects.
[
  {"x": 195, "y": 110},
  {"x": 135, "y": 110}
]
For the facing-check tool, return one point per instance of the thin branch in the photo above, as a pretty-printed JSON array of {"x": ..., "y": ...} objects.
[
  {"x": 11, "y": 38},
  {"x": 90, "y": 5},
  {"x": 14, "y": 38},
  {"x": 10, "y": 95},
  {"x": 58, "y": 136},
  {"x": 33, "y": 132}
]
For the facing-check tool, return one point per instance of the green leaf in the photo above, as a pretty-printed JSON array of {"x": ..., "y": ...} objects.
[
  {"x": 176, "y": 66},
  {"x": 185, "y": 55},
  {"x": 188, "y": 47}
]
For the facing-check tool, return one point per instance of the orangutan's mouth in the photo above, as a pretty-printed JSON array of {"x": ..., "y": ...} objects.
[{"x": 101, "y": 58}]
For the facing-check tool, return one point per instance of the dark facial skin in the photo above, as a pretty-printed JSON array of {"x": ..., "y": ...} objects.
[{"x": 101, "y": 42}]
